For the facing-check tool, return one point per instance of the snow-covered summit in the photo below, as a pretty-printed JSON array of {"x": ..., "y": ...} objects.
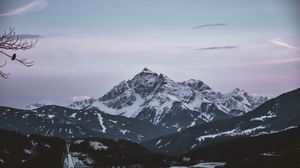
[
  {"x": 146, "y": 70},
  {"x": 156, "y": 98},
  {"x": 35, "y": 105},
  {"x": 82, "y": 104}
]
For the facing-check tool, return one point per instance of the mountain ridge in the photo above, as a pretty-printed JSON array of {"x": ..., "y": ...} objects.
[
  {"x": 275, "y": 115},
  {"x": 152, "y": 97},
  {"x": 58, "y": 121}
]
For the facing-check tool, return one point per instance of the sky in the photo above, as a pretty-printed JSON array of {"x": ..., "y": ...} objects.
[{"x": 86, "y": 47}]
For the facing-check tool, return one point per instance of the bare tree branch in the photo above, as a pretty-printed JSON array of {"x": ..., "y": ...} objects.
[
  {"x": 22, "y": 61},
  {"x": 9, "y": 41},
  {"x": 3, "y": 64},
  {"x": 4, "y": 75}
]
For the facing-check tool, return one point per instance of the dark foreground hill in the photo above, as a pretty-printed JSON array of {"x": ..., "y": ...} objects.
[
  {"x": 274, "y": 150},
  {"x": 99, "y": 152},
  {"x": 35, "y": 151},
  {"x": 32, "y": 151}
]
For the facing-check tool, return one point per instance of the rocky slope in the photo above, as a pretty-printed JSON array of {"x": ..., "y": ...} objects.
[
  {"x": 278, "y": 114},
  {"x": 157, "y": 99},
  {"x": 64, "y": 122}
]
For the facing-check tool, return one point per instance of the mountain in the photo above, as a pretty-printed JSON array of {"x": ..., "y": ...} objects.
[
  {"x": 64, "y": 122},
  {"x": 159, "y": 100},
  {"x": 34, "y": 106},
  {"x": 145, "y": 107},
  {"x": 275, "y": 115},
  {"x": 82, "y": 104},
  {"x": 274, "y": 150},
  {"x": 35, "y": 151}
]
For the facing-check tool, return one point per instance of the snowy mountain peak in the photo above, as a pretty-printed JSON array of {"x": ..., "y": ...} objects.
[
  {"x": 146, "y": 70},
  {"x": 82, "y": 103},
  {"x": 158, "y": 99},
  {"x": 34, "y": 106},
  {"x": 236, "y": 90}
]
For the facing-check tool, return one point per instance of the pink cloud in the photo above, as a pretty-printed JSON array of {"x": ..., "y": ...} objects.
[
  {"x": 279, "y": 42},
  {"x": 79, "y": 98}
]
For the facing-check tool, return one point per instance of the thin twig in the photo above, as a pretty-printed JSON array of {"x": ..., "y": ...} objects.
[
  {"x": 4, "y": 75},
  {"x": 3, "y": 64}
]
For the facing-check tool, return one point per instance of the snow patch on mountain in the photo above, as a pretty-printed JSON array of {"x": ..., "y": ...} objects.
[
  {"x": 263, "y": 118},
  {"x": 124, "y": 131},
  {"x": 127, "y": 111},
  {"x": 51, "y": 116},
  {"x": 101, "y": 123},
  {"x": 73, "y": 115},
  {"x": 35, "y": 106},
  {"x": 79, "y": 141},
  {"x": 233, "y": 132},
  {"x": 98, "y": 145},
  {"x": 158, "y": 142}
]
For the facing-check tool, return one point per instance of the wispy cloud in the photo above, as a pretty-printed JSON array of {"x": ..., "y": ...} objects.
[
  {"x": 268, "y": 62},
  {"x": 36, "y": 36},
  {"x": 278, "y": 61},
  {"x": 217, "y": 48},
  {"x": 279, "y": 42},
  {"x": 253, "y": 63},
  {"x": 210, "y": 25},
  {"x": 29, "y": 36},
  {"x": 36, "y": 4}
]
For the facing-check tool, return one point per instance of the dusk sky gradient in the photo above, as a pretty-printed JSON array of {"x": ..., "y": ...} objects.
[{"x": 87, "y": 47}]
